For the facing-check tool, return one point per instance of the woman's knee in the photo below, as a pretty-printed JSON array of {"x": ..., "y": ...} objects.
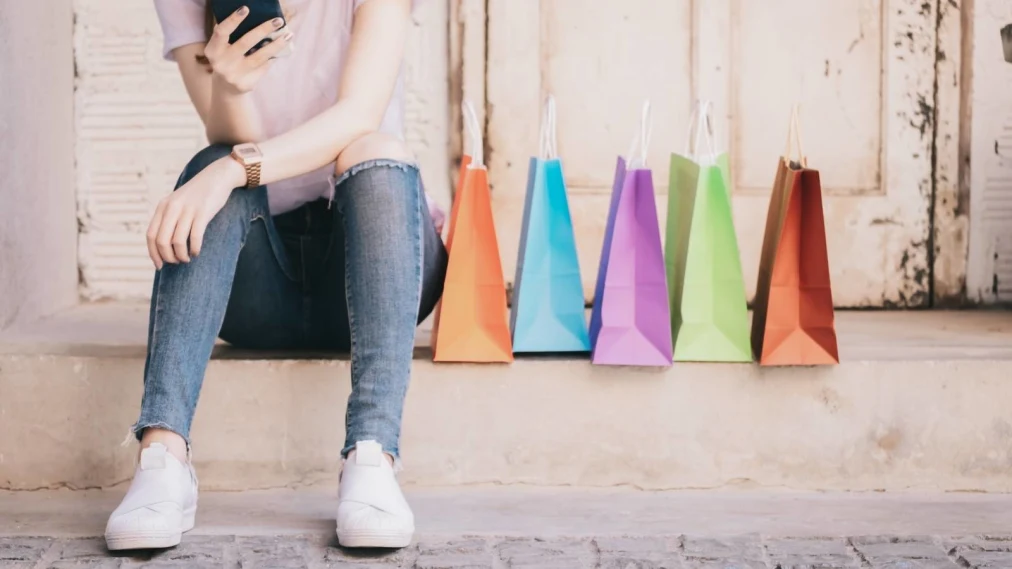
[
  {"x": 202, "y": 160},
  {"x": 373, "y": 146}
]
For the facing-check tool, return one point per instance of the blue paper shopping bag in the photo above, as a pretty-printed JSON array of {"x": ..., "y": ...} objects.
[{"x": 548, "y": 309}]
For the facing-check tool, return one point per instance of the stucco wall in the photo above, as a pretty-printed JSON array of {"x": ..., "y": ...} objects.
[
  {"x": 136, "y": 130},
  {"x": 38, "y": 272}
]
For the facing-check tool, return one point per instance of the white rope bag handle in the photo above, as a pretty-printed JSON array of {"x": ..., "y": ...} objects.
[
  {"x": 549, "y": 141},
  {"x": 701, "y": 123},
  {"x": 794, "y": 139},
  {"x": 473, "y": 128},
  {"x": 641, "y": 142}
]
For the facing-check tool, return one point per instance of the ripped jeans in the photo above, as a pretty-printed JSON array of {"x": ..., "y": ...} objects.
[{"x": 358, "y": 276}]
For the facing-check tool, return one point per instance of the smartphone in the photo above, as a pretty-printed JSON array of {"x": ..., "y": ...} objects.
[{"x": 260, "y": 11}]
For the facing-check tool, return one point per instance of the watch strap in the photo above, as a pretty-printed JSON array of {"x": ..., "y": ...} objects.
[{"x": 252, "y": 175}]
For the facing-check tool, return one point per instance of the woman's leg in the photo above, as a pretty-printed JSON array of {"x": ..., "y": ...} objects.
[
  {"x": 188, "y": 307},
  {"x": 188, "y": 304},
  {"x": 389, "y": 262},
  {"x": 392, "y": 262}
]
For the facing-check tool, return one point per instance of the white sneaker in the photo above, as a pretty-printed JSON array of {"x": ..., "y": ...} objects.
[
  {"x": 159, "y": 506},
  {"x": 371, "y": 510}
]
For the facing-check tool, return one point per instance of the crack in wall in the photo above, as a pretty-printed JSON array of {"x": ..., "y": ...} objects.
[{"x": 932, "y": 204}]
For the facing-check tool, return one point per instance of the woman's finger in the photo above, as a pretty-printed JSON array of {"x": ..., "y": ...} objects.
[
  {"x": 197, "y": 234},
  {"x": 219, "y": 39},
  {"x": 181, "y": 235},
  {"x": 266, "y": 53},
  {"x": 168, "y": 227},
  {"x": 152, "y": 235},
  {"x": 257, "y": 35}
]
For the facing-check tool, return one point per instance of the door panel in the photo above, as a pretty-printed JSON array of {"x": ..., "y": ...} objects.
[
  {"x": 863, "y": 71},
  {"x": 830, "y": 53},
  {"x": 602, "y": 86}
]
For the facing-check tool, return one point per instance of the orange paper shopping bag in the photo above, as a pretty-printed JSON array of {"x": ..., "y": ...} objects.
[
  {"x": 471, "y": 323},
  {"x": 793, "y": 322}
]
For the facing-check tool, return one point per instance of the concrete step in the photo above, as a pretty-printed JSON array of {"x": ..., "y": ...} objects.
[
  {"x": 499, "y": 527},
  {"x": 920, "y": 401}
]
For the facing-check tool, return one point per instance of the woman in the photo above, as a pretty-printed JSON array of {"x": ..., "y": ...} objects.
[{"x": 303, "y": 225}]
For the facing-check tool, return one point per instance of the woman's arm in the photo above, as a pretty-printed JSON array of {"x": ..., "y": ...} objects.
[
  {"x": 223, "y": 97},
  {"x": 367, "y": 83},
  {"x": 227, "y": 118},
  {"x": 370, "y": 75}
]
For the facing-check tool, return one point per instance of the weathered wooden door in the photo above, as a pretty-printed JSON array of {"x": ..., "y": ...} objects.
[{"x": 863, "y": 71}]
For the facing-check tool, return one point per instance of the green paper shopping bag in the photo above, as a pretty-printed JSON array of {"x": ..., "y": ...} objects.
[{"x": 709, "y": 315}]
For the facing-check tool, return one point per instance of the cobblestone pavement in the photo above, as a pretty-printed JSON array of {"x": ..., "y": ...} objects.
[{"x": 687, "y": 552}]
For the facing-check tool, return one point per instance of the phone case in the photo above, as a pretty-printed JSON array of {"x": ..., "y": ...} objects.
[{"x": 260, "y": 11}]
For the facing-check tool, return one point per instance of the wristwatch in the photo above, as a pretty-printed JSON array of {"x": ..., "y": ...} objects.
[{"x": 250, "y": 157}]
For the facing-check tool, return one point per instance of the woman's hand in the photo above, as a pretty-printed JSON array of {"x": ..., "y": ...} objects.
[
  {"x": 231, "y": 68},
  {"x": 177, "y": 229}
]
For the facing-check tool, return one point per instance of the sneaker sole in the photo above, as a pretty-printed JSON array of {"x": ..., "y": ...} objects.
[
  {"x": 383, "y": 539},
  {"x": 149, "y": 539},
  {"x": 143, "y": 540}
]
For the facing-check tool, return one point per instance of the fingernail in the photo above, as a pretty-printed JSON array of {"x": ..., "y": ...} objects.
[
  {"x": 243, "y": 11},
  {"x": 289, "y": 36},
  {"x": 278, "y": 22}
]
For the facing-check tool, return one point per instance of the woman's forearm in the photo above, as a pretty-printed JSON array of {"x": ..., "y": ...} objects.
[
  {"x": 315, "y": 143},
  {"x": 309, "y": 146},
  {"x": 232, "y": 117}
]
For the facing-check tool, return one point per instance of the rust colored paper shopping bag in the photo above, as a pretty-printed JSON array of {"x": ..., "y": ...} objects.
[
  {"x": 471, "y": 324},
  {"x": 793, "y": 322}
]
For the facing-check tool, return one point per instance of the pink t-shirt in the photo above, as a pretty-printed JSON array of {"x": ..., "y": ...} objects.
[{"x": 297, "y": 87}]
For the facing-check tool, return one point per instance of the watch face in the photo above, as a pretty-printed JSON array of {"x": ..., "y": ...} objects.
[{"x": 247, "y": 151}]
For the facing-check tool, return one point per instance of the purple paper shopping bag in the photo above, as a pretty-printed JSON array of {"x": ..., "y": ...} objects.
[{"x": 630, "y": 321}]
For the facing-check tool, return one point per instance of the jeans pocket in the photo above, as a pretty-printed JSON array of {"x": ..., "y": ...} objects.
[{"x": 281, "y": 247}]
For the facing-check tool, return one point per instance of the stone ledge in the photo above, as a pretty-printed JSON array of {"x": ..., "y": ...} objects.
[
  {"x": 920, "y": 401},
  {"x": 893, "y": 425},
  {"x": 119, "y": 329}
]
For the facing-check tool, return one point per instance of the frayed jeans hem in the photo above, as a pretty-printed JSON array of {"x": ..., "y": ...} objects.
[{"x": 138, "y": 429}]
